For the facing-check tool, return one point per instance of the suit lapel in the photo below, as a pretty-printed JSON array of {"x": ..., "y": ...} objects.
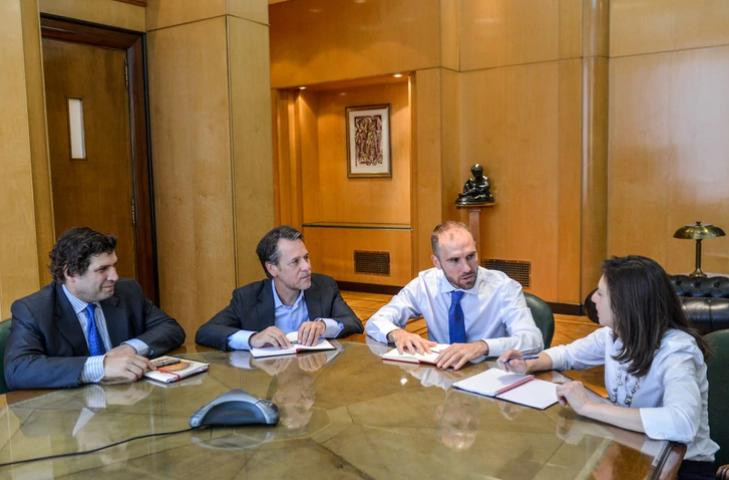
[
  {"x": 313, "y": 302},
  {"x": 265, "y": 314},
  {"x": 67, "y": 322},
  {"x": 115, "y": 323}
]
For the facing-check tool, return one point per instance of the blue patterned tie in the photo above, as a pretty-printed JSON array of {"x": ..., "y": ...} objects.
[
  {"x": 456, "y": 324},
  {"x": 96, "y": 346}
]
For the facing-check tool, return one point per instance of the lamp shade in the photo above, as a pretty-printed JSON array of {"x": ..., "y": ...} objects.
[{"x": 698, "y": 231}]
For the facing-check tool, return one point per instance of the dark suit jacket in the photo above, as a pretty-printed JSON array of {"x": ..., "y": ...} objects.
[
  {"x": 251, "y": 308},
  {"x": 47, "y": 348}
]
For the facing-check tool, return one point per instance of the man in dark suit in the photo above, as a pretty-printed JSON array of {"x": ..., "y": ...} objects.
[
  {"x": 88, "y": 325},
  {"x": 292, "y": 299}
]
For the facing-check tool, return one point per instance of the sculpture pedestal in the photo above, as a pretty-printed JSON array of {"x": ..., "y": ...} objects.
[{"x": 474, "y": 219}]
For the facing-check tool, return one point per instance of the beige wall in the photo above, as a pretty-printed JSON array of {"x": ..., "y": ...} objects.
[{"x": 669, "y": 111}]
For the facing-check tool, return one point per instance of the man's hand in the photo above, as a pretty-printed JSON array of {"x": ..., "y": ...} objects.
[
  {"x": 269, "y": 336},
  {"x": 409, "y": 342},
  {"x": 458, "y": 354},
  {"x": 123, "y": 365},
  {"x": 310, "y": 331}
]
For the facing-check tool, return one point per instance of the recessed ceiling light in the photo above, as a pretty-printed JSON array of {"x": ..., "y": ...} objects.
[
  {"x": 302, "y": 87},
  {"x": 397, "y": 75}
]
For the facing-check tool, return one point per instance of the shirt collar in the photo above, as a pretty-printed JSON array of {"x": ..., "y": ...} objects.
[
  {"x": 78, "y": 305},
  {"x": 277, "y": 300}
]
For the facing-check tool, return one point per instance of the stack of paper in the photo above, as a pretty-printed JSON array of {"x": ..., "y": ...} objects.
[
  {"x": 323, "y": 344},
  {"x": 512, "y": 387}
]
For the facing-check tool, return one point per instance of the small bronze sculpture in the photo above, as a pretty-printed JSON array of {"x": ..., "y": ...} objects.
[{"x": 476, "y": 190}]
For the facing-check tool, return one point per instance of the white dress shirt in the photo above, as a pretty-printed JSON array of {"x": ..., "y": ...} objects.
[
  {"x": 287, "y": 318},
  {"x": 494, "y": 311},
  {"x": 672, "y": 396}
]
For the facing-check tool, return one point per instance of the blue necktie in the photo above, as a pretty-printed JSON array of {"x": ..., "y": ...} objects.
[
  {"x": 456, "y": 324},
  {"x": 96, "y": 346}
]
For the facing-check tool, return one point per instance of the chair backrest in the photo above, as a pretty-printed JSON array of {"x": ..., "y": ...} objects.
[
  {"x": 4, "y": 334},
  {"x": 718, "y": 374},
  {"x": 543, "y": 317}
]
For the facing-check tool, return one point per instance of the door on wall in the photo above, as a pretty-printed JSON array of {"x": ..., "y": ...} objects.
[{"x": 96, "y": 115}]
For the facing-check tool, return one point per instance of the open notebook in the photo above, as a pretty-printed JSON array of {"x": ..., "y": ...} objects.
[
  {"x": 172, "y": 369},
  {"x": 512, "y": 387},
  {"x": 323, "y": 344},
  {"x": 430, "y": 357}
]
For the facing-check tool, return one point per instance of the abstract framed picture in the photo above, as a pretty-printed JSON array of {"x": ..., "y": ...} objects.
[{"x": 368, "y": 141}]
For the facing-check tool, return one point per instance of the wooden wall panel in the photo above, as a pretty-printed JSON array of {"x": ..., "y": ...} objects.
[
  {"x": 250, "y": 105},
  {"x": 428, "y": 196},
  {"x": 328, "y": 194},
  {"x": 104, "y": 12},
  {"x": 18, "y": 248},
  {"x": 332, "y": 252},
  {"x": 668, "y": 154},
  {"x": 638, "y": 27},
  {"x": 319, "y": 41},
  {"x": 509, "y": 32},
  {"x": 191, "y": 147},
  {"x": 510, "y": 124},
  {"x": 32, "y": 54}
]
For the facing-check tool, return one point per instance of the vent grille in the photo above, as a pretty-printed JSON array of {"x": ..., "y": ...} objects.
[
  {"x": 377, "y": 263},
  {"x": 516, "y": 269}
]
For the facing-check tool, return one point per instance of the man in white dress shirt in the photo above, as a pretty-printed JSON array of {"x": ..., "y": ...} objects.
[{"x": 479, "y": 312}]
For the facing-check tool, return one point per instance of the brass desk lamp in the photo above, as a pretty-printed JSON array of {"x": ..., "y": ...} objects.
[{"x": 698, "y": 232}]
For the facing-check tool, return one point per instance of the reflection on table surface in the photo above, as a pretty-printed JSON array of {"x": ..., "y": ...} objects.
[{"x": 344, "y": 414}]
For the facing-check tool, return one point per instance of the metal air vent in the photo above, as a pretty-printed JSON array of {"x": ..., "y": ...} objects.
[
  {"x": 377, "y": 263},
  {"x": 518, "y": 270}
]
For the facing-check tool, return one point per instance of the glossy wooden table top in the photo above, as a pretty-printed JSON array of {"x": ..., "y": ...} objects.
[{"x": 344, "y": 414}]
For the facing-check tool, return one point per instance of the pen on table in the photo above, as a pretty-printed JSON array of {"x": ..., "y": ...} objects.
[{"x": 532, "y": 356}]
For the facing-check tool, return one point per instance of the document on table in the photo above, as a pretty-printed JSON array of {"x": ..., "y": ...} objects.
[
  {"x": 430, "y": 357},
  {"x": 512, "y": 387},
  {"x": 322, "y": 344}
]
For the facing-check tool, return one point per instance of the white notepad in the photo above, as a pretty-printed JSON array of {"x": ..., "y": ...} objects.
[
  {"x": 295, "y": 348},
  {"x": 430, "y": 357},
  {"x": 512, "y": 387}
]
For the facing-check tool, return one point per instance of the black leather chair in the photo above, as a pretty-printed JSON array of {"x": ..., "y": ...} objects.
[
  {"x": 543, "y": 317},
  {"x": 718, "y": 375},
  {"x": 705, "y": 302}
]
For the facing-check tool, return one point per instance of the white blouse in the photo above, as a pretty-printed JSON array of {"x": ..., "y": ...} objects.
[{"x": 672, "y": 396}]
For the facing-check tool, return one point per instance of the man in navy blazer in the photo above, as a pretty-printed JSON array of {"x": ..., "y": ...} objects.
[
  {"x": 292, "y": 299},
  {"x": 88, "y": 325}
]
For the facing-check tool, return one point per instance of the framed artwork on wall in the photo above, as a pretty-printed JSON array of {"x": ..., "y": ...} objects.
[{"x": 368, "y": 141}]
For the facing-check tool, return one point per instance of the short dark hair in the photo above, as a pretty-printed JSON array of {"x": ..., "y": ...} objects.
[
  {"x": 644, "y": 306},
  {"x": 442, "y": 228},
  {"x": 73, "y": 251},
  {"x": 267, "y": 249}
]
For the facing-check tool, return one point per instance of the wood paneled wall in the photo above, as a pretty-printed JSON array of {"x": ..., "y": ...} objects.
[
  {"x": 508, "y": 84},
  {"x": 328, "y": 194},
  {"x": 669, "y": 111},
  {"x": 19, "y": 274},
  {"x": 211, "y": 138}
]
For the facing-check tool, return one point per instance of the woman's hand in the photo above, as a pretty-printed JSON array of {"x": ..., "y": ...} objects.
[
  {"x": 512, "y": 361},
  {"x": 575, "y": 395}
]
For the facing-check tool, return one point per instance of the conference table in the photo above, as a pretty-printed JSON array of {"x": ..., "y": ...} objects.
[{"x": 343, "y": 414}]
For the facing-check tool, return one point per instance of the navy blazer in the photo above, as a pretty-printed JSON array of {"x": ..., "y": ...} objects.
[
  {"x": 251, "y": 308},
  {"x": 47, "y": 347}
]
